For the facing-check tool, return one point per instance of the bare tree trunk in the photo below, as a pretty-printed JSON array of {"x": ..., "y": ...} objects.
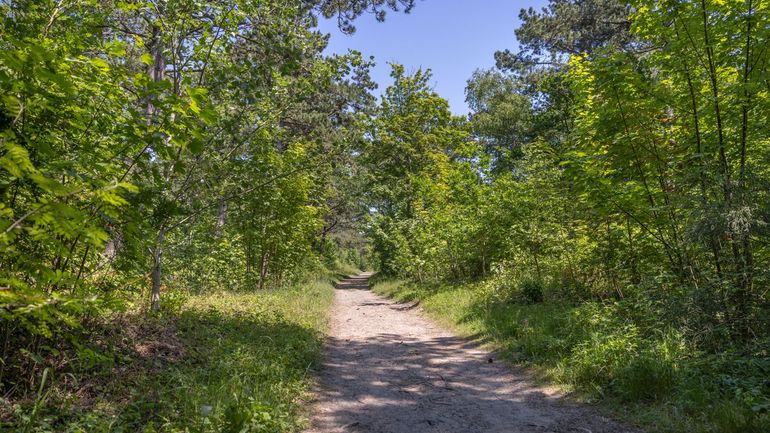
[
  {"x": 263, "y": 268},
  {"x": 111, "y": 248},
  {"x": 221, "y": 218},
  {"x": 159, "y": 63},
  {"x": 746, "y": 265},
  {"x": 157, "y": 71},
  {"x": 157, "y": 261}
]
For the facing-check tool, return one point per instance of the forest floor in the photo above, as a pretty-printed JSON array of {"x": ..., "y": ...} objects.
[{"x": 389, "y": 369}]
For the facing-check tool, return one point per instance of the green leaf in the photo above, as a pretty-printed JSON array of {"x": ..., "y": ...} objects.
[
  {"x": 100, "y": 64},
  {"x": 16, "y": 160},
  {"x": 12, "y": 105},
  {"x": 116, "y": 48}
]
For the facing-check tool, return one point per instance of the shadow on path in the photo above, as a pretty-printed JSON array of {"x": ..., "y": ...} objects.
[
  {"x": 357, "y": 282},
  {"x": 390, "y": 370}
]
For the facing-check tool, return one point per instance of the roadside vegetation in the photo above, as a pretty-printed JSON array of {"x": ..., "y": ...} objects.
[
  {"x": 173, "y": 178},
  {"x": 602, "y": 212},
  {"x": 174, "y": 175},
  {"x": 223, "y": 362},
  {"x": 605, "y": 352}
]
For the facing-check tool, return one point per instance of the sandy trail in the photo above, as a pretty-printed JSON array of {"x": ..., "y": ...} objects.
[{"x": 387, "y": 369}]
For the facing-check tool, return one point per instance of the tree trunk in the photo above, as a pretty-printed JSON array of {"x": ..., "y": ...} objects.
[
  {"x": 157, "y": 259},
  {"x": 263, "y": 268},
  {"x": 221, "y": 218},
  {"x": 157, "y": 72},
  {"x": 746, "y": 264},
  {"x": 713, "y": 241}
]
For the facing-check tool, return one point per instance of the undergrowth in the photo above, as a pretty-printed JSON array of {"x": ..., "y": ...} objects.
[
  {"x": 224, "y": 362},
  {"x": 616, "y": 353}
]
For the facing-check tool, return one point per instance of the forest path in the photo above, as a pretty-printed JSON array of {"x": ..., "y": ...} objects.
[{"x": 387, "y": 369}]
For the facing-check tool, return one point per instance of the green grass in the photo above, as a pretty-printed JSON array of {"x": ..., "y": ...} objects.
[
  {"x": 225, "y": 362},
  {"x": 616, "y": 355}
]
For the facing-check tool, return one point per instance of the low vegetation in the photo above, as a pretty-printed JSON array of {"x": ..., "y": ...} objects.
[
  {"x": 615, "y": 353},
  {"x": 224, "y": 362}
]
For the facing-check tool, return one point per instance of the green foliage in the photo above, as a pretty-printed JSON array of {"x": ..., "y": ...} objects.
[
  {"x": 621, "y": 175},
  {"x": 502, "y": 117},
  {"x": 152, "y": 151},
  {"x": 606, "y": 200},
  {"x": 354, "y": 8},
  {"x": 610, "y": 226},
  {"x": 225, "y": 362},
  {"x": 531, "y": 291},
  {"x": 420, "y": 184},
  {"x": 568, "y": 27},
  {"x": 604, "y": 351}
]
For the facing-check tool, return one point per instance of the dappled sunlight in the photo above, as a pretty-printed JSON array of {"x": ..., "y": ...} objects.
[{"x": 387, "y": 369}]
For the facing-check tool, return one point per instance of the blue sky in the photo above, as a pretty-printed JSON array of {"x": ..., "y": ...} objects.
[{"x": 451, "y": 37}]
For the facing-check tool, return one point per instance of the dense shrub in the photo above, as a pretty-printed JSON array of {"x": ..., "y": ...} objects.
[{"x": 531, "y": 291}]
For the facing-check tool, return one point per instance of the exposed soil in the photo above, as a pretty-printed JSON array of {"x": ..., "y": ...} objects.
[{"x": 388, "y": 369}]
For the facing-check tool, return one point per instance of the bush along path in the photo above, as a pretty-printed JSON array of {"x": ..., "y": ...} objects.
[{"x": 388, "y": 369}]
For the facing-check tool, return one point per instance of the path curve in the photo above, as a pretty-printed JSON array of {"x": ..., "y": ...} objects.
[{"x": 387, "y": 369}]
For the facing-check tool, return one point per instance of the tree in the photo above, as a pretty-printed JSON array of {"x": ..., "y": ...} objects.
[
  {"x": 501, "y": 118},
  {"x": 419, "y": 181},
  {"x": 146, "y": 144}
]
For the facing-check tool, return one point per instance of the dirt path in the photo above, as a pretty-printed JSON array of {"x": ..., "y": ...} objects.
[{"x": 389, "y": 370}]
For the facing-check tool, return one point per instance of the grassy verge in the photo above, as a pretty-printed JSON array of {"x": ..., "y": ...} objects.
[
  {"x": 616, "y": 355},
  {"x": 225, "y": 362}
]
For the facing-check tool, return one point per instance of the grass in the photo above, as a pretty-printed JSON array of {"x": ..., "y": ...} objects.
[
  {"x": 225, "y": 362},
  {"x": 616, "y": 355}
]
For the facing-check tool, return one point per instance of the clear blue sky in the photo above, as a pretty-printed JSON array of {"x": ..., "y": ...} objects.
[{"x": 451, "y": 37}]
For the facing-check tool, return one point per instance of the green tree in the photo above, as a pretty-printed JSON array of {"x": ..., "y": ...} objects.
[
  {"x": 502, "y": 117},
  {"x": 419, "y": 181}
]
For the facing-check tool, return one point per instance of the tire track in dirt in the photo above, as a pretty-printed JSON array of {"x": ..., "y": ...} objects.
[{"x": 387, "y": 369}]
